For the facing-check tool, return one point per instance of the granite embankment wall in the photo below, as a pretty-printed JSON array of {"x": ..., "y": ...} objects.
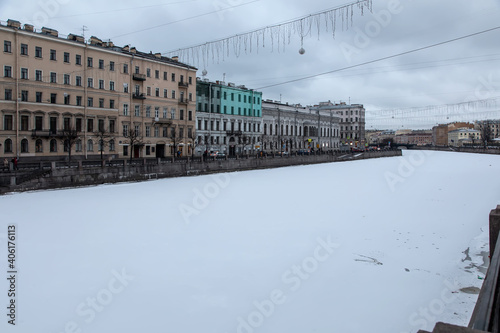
[{"x": 52, "y": 176}]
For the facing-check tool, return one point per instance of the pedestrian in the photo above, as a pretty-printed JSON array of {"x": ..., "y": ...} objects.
[{"x": 14, "y": 163}]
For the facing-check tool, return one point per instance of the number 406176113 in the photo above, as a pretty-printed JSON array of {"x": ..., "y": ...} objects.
[{"x": 11, "y": 236}]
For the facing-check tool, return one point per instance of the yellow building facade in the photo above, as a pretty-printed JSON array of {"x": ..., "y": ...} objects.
[{"x": 114, "y": 98}]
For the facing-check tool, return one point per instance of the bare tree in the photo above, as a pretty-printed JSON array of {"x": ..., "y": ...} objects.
[
  {"x": 134, "y": 139},
  {"x": 486, "y": 133},
  {"x": 69, "y": 137},
  {"x": 103, "y": 138},
  {"x": 176, "y": 140}
]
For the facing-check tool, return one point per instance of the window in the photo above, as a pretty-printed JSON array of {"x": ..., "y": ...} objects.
[
  {"x": 165, "y": 76},
  {"x": 137, "y": 111},
  {"x": 53, "y": 55},
  {"x": 7, "y": 122},
  {"x": 38, "y": 75},
  {"x": 24, "y": 145},
  {"x": 148, "y": 131},
  {"x": 137, "y": 131},
  {"x": 7, "y": 46},
  {"x": 172, "y": 113},
  {"x": 100, "y": 125},
  {"x": 79, "y": 81},
  {"x": 101, "y": 103},
  {"x": 181, "y": 114},
  {"x": 78, "y": 145},
  {"x": 125, "y": 109},
  {"x": 111, "y": 126},
  {"x": 90, "y": 82},
  {"x": 101, "y": 64},
  {"x": 7, "y": 71},
  {"x": 112, "y": 66},
  {"x": 148, "y": 72},
  {"x": 157, "y": 92},
  {"x": 125, "y": 130},
  {"x": 24, "y": 49},
  {"x": 125, "y": 87},
  {"x": 191, "y": 97},
  {"x": 53, "y": 98},
  {"x": 157, "y": 112},
  {"x": 165, "y": 112},
  {"x": 111, "y": 103},
  {"x": 38, "y": 52},
  {"x": 67, "y": 79},
  {"x": 53, "y": 146},
  {"x": 66, "y": 123},
  {"x": 39, "y": 97},
  {"x": 78, "y": 100},
  {"x": 173, "y": 76},
  {"x": 101, "y": 84},
  {"x": 157, "y": 74},
  {"x": 90, "y": 125},
  {"x": 181, "y": 132},
  {"x": 7, "y": 147},
  {"x": 67, "y": 99},
  {"x": 157, "y": 131},
  {"x": 125, "y": 68},
  {"x": 78, "y": 125},
  {"x": 111, "y": 145},
  {"x": 90, "y": 62},
  {"x": 90, "y": 145},
  {"x": 66, "y": 57},
  {"x": 190, "y": 80},
  {"x": 24, "y": 73},
  {"x": 190, "y": 133},
  {"x": 90, "y": 102},
  {"x": 53, "y": 77},
  {"x": 190, "y": 115},
  {"x": 173, "y": 93},
  {"x": 39, "y": 146},
  {"x": 165, "y": 132},
  {"x": 24, "y": 95},
  {"x": 148, "y": 111},
  {"x": 78, "y": 59},
  {"x": 112, "y": 85}
]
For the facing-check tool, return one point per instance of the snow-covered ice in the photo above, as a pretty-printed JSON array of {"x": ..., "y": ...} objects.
[{"x": 380, "y": 245}]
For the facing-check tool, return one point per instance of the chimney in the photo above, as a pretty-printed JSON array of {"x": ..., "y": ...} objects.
[
  {"x": 133, "y": 50},
  {"x": 77, "y": 38},
  {"x": 126, "y": 48},
  {"x": 175, "y": 58},
  {"x": 29, "y": 27},
  {"x": 158, "y": 55},
  {"x": 95, "y": 41},
  {"x": 49, "y": 31},
  {"x": 14, "y": 24}
]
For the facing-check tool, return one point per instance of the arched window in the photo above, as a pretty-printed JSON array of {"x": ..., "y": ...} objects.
[
  {"x": 90, "y": 145},
  {"x": 24, "y": 145},
  {"x": 78, "y": 145},
  {"x": 7, "y": 147},
  {"x": 39, "y": 146},
  {"x": 66, "y": 146},
  {"x": 53, "y": 146}
]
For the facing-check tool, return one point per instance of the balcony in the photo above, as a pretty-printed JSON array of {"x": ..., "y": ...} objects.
[
  {"x": 183, "y": 84},
  {"x": 158, "y": 120},
  {"x": 45, "y": 133},
  {"x": 183, "y": 101},
  {"x": 236, "y": 133},
  {"x": 138, "y": 96},
  {"x": 139, "y": 77}
]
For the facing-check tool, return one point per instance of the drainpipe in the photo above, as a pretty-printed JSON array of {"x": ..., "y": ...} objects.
[{"x": 17, "y": 91}]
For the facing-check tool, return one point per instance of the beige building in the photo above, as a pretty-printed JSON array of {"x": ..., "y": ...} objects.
[
  {"x": 51, "y": 86},
  {"x": 440, "y": 132},
  {"x": 462, "y": 136}
]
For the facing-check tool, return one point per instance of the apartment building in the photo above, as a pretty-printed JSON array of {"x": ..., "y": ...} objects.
[
  {"x": 289, "y": 128},
  {"x": 53, "y": 85},
  {"x": 352, "y": 121},
  {"x": 229, "y": 118}
]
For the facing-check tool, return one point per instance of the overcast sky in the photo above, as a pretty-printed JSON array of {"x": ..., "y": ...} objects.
[{"x": 455, "y": 72}]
